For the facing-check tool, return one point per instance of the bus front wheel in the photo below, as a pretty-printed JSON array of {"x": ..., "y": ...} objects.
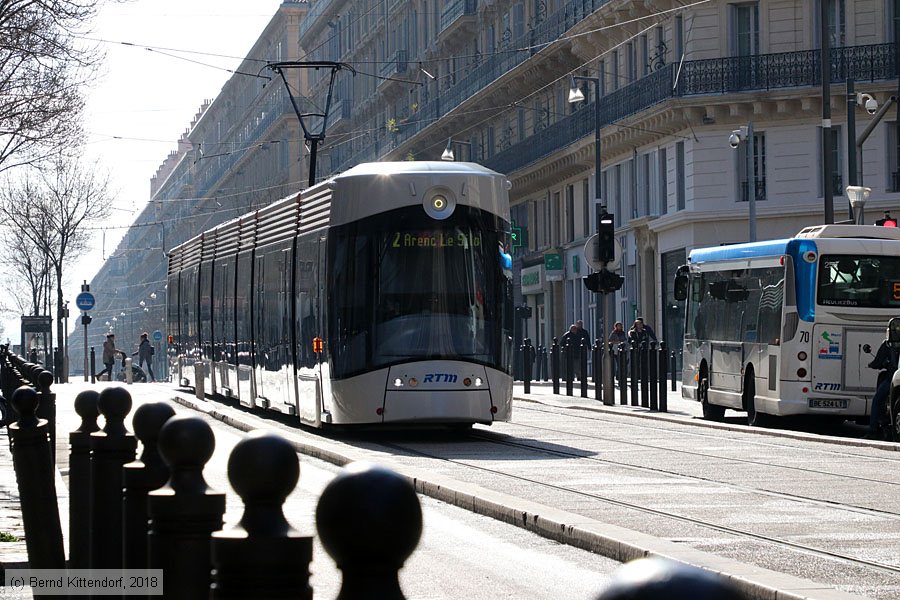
[{"x": 711, "y": 412}]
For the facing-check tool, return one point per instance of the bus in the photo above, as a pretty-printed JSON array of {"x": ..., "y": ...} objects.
[
  {"x": 380, "y": 296},
  {"x": 788, "y": 327}
]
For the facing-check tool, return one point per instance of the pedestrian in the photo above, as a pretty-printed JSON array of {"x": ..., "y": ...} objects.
[
  {"x": 571, "y": 337},
  {"x": 145, "y": 354},
  {"x": 583, "y": 334},
  {"x": 617, "y": 336},
  {"x": 109, "y": 356}
]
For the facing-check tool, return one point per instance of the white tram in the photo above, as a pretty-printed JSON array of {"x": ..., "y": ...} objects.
[{"x": 383, "y": 295}]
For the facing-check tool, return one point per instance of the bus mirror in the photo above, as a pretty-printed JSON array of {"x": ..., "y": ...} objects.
[
  {"x": 894, "y": 333},
  {"x": 681, "y": 287}
]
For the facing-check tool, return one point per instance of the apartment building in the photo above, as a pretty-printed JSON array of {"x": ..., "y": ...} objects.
[{"x": 492, "y": 79}]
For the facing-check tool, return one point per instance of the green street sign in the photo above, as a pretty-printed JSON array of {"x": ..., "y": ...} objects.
[{"x": 553, "y": 261}]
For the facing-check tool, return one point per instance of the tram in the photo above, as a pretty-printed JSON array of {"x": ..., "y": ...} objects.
[{"x": 380, "y": 296}]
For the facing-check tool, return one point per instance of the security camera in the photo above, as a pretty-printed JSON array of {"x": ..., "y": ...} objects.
[
  {"x": 734, "y": 140},
  {"x": 871, "y": 106}
]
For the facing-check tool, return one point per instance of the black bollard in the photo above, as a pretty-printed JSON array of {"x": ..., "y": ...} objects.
[
  {"x": 369, "y": 520},
  {"x": 36, "y": 478},
  {"x": 623, "y": 375},
  {"x": 545, "y": 368},
  {"x": 140, "y": 477},
  {"x": 93, "y": 366},
  {"x": 528, "y": 358},
  {"x": 582, "y": 366},
  {"x": 646, "y": 578},
  {"x": 42, "y": 380},
  {"x": 645, "y": 388},
  {"x": 185, "y": 511},
  {"x": 661, "y": 379},
  {"x": 111, "y": 448},
  {"x": 539, "y": 364},
  {"x": 554, "y": 364},
  {"x": 80, "y": 479},
  {"x": 595, "y": 361},
  {"x": 635, "y": 371},
  {"x": 263, "y": 556},
  {"x": 652, "y": 372},
  {"x": 673, "y": 366},
  {"x": 569, "y": 351}
]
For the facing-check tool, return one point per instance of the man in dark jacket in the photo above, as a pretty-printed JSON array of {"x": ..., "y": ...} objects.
[{"x": 145, "y": 355}]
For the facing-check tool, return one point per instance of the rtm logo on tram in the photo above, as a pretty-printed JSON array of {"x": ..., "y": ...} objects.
[{"x": 439, "y": 377}]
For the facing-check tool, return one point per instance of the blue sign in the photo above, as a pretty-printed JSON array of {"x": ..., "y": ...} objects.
[
  {"x": 157, "y": 336},
  {"x": 85, "y": 301}
]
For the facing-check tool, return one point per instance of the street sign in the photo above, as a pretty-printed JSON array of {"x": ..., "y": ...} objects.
[
  {"x": 590, "y": 255},
  {"x": 157, "y": 336},
  {"x": 85, "y": 301}
]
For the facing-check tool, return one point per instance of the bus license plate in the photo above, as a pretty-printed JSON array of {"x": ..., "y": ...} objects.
[{"x": 827, "y": 403}]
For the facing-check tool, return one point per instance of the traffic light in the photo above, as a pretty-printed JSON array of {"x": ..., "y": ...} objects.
[
  {"x": 606, "y": 238},
  {"x": 887, "y": 221},
  {"x": 603, "y": 282},
  {"x": 523, "y": 312},
  {"x": 86, "y": 319}
]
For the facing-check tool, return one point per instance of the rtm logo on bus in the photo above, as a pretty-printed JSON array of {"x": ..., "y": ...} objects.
[
  {"x": 439, "y": 378},
  {"x": 829, "y": 387}
]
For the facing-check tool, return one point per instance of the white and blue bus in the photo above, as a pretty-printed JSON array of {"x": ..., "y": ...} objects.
[{"x": 788, "y": 327}]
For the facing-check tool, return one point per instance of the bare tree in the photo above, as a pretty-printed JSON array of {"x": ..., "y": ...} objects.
[
  {"x": 54, "y": 211},
  {"x": 30, "y": 270},
  {"x": 43, "y": 68}
]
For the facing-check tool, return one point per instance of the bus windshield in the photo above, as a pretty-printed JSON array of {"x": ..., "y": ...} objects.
[
  {"x": 407, "y": 286},
  {"x": 859, "y": 281}
]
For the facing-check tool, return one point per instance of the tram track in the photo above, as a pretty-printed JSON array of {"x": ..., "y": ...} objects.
[
  {"x": 890, "y": 569},
  {"x": 893, "y": 461}
]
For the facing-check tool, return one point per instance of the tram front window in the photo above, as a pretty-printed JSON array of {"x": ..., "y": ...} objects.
[{"x": 408, "y": 287}]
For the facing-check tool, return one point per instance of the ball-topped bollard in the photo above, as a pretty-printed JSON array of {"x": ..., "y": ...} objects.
[
  {"x": 36, "y": 478},
  {"x": 141, "y": 476},
  {"x": 25, "y": 402},
  {"x": 185, "y": 511},
  {"x": 652, "y": 578},
  {"x": 369, "y": 520},
  {"x": 111, "y": 449},
  {"x": 80, "y": 479},
  {"x": 263, "y": 556}
]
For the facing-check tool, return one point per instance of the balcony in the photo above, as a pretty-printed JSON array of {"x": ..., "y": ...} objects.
[
  {"x": 318, "y": 9},
  {"x": 339, "y": 116},
  {"x": 396, "y": 65},
  {"x": 455, "y": 14}
]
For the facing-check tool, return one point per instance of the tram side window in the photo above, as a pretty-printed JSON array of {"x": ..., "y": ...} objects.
[
  {"x": 189, "y": 323},
  {"x": 274, "y": 351},
  {"x": 307, "y": 325},
  {"x": 242, "y": 312},
  {"x": 206, "y": 309}
]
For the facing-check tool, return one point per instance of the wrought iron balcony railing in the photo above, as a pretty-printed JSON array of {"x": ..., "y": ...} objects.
[
  {"x": 317, "y": 10},
  {"x": 456, "y": 9}
]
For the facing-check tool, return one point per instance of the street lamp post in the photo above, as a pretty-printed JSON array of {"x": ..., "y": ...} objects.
[
  {"x": 448, "y": 153},
  {"x": 606, "y": 298},
  {"x": 744, "y": 135}
]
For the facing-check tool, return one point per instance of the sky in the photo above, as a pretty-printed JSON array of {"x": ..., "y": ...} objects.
[{"x": 143, "y": 100}]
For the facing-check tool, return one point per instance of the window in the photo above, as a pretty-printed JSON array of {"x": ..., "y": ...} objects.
[
  {"x": 896, "y": 19},
  {"x": 679, "y": 176},
  {"x": 644, "y": 183},
  {"x": 679, "y": 37},
  {"x": 663, "y": 186},
  {"x": 630, "y": 62},
  {"x": 645, "y": 55},
  {"x": 601, "y": 75},
  {"x": 615, "y": 70},
  {"x": 585, "y": 208},
  {"x": 555, "y": 219},
  {"x": 837, "y": 141},
  {"x": 745, "y": 29},
  {"x": 837, "y": 23},
  {"x": 759, "y": 168},
  {"x": 617, "y": 177},
  {"x": 570, "y": 213},
  {"x": 894, "y": 156}
]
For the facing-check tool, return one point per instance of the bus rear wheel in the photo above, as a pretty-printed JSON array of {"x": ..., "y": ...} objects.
[
  {"x": 711, "y": 412},
  {"x": 754, "y": 417}
]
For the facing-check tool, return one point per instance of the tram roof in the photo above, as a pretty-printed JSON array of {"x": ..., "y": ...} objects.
[{"x": 415, "y": 166}]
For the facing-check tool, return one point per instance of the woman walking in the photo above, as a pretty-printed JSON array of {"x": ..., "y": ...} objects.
[{"x": 145, "y": 353}]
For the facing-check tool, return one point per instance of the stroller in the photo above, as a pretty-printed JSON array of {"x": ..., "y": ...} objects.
[{"x": 137, "y": 373}]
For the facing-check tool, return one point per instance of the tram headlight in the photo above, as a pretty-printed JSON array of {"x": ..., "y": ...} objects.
[
  {"x": 439, "y": 203},
  {"x": 478, "y": 382},
  {"x": 398, "y": 382}
]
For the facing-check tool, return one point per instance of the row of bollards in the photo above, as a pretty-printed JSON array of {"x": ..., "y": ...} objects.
[
  {"x": 641, "y": 371},
  {"x": 157, "y": 511},
  {"x": 167, "y": 518}
]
